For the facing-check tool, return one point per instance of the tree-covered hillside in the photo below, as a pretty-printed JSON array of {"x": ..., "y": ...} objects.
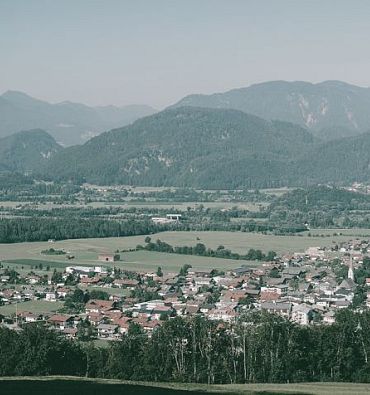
[
  {"x": 342, "y": 160},
  {"x": 194, "y": 147},
  {"x": 188, "y": 146},
  {"x": 27, "y": 151}
]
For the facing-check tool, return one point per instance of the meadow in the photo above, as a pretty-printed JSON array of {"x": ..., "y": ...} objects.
[
  {"x": 36, "y": 306},
  {"x": 86, "y": 251}
]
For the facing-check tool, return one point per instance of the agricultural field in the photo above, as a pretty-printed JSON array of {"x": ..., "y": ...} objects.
[
  {"x": 36, "y": 306},
  {"x": 86, "y": 251},
  {"x": 73, "y": 385}
]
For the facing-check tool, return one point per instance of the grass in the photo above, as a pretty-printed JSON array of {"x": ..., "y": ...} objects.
[
  {"x": 36, "y": 262},
  {"x": 86, "y": 251},
  {"x": 36, "y": 306},
  {"x": 149, "y": 261},
  {"x": 303, "y": 388},
  {"x": 62, "y": 385}
]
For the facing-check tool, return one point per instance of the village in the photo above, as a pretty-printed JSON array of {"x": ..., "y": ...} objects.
[{"x": 102, "y": 302}]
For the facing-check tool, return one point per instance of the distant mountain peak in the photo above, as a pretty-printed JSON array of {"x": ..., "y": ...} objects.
[
  {"x": 19, "y": 111},
  {"x": 331, "y": 109}
]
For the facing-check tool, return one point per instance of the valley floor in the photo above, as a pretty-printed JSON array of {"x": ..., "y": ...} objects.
[{"x": 86, "y": 251}]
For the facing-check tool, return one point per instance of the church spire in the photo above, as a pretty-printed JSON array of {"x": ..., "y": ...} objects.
[{"x": 351, "y": 274}]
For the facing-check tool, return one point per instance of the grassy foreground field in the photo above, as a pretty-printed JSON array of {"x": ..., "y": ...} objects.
[{"x": 81, "y": 386}]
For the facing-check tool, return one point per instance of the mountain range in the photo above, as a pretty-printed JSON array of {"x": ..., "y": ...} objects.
[
  {"x": 208, "y": 147},
  {"x": 69, "y": 123},
  {"x": 187, "y": 146},
  {"x": 193, "y": 147},
  {"x": 330, "y": 109}
]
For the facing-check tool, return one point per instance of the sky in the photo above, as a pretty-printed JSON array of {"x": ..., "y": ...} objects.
[{"x": 157, "y": 51}]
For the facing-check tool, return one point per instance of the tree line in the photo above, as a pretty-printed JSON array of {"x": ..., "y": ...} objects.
[
  {"x": 259, "y": 347},
  {"x": 17, "y": 230},
  {"x": 201, "y": 250}
]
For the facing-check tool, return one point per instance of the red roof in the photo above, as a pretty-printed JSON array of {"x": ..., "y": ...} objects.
[{"x": 60, "y": 318}]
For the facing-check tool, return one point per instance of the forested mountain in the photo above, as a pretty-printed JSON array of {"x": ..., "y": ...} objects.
[
  {"x": 194, "y": 147},
  {"x": 27, "y": 151},
  {"x": 331, "y": 109},
  {"x": 343, "y": 160},
  {"x": 188, "y": 147},
  {"x": 69, "y": 123}
]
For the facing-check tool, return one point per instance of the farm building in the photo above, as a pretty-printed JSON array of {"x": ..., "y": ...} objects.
[{"x": 109, "y": 257}]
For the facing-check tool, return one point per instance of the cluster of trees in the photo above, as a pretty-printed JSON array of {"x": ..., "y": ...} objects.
[
  {"x": 257, "y": 348},
  {"x": 201, "y": 250},
  {"x": 320, "y": 207},
  {"x": 75, "y": 302},
  {"x": 17, "y": 230}
]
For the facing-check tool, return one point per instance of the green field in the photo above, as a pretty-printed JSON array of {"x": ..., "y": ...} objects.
[
  {"x": 35, "y": 306},
  {"x": 82, "y": 386},
  {"x": 86, "y": 251},
  {"x": 110, "y": 291}
]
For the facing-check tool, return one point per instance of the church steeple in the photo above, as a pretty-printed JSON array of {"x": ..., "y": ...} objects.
[{"x": 350, "y": 274}]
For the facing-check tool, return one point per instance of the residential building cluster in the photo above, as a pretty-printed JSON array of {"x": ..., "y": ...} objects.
[{"x": 307, "y": 288}]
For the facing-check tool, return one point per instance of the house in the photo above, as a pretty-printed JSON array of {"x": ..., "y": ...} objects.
[
  {"x": 329, "y": 317},
  {"x": 27, "y": 316},
  {"x": 50, "y": 296},
  {"x": 281, "y": 308},
  {"x": 33, "y": 279},
  {"x": 225, "y": 314},
  {"x": 341, "y": 304},
  {"x": 95, "y": 318},
  {"x": 98, "y": 306},
  {"x": 70, "y": 333},
  {"x": 107, "y": 330},
  {"x": 301, "y": 314},
  {"x": 125, "y": 283},
  {"x": 158, "y": 311},
  {"x": 89, "y": 280},
  {"x": 149, "y": 326},
  {"x": 123, "y": 323},
  {"x": 241, "y": 271},
  {"x": 273, "y": 293},
  {"x": 62, "y": 292},
  {"x": 61, "y": 321}
]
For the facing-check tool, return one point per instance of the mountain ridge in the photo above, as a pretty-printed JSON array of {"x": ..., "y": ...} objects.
[
  {"x": 69, "y": 123},
  {"x": 187, "y": 147},
  {"x": 330, "y": 109}
]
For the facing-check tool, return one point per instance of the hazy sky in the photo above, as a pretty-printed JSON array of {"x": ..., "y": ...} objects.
[{"x": 157, "y": 51}]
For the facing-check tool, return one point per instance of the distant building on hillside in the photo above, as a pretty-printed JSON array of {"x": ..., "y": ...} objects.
[
  {"x": 168, "y": 219},
  {"x": 109, "y": 257}
]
